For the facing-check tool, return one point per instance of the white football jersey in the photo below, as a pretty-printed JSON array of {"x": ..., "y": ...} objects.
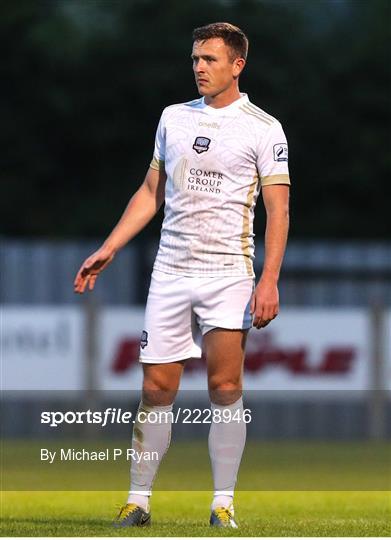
[{"x": 216, "y": 161}]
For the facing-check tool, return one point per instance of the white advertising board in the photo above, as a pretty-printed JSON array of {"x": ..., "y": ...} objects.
[
  {"x": 41, "y": 348},
  {"x": 302, "y": 350}
]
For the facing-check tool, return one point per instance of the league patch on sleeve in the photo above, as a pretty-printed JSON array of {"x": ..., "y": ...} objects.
[{"x": 280, "y": 152}]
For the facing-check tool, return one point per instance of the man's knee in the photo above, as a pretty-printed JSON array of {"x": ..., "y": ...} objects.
[
  {"x": 158, "y": 392},
  {"x": 223, "y": 392}
]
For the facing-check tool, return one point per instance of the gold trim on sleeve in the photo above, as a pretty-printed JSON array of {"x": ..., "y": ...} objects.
[
  {"x": 157, "y": 164},
  {"x": 275, "y": 179}
]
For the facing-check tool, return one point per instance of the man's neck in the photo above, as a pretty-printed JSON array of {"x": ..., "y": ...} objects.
[{"x": 223, "y": 99}]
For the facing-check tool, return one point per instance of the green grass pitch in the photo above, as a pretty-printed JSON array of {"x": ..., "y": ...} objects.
[
  {"x": 187, "y": 513},
  {"x": 299, "y": 489}
]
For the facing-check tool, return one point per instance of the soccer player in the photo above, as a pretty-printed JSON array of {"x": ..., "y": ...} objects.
[{"x": 212, "y": 158}]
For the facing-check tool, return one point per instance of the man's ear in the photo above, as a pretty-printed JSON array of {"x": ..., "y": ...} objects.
[{"x": 238, "y": 65}]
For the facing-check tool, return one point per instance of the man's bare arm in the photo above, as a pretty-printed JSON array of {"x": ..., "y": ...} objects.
[
  {"x": 265, "y": 300},
  {"x": 141, "y": 208}
]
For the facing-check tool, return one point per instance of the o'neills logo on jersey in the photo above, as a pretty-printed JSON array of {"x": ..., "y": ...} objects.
[
  {"x": 201, "y": 144},
  {"x": 201, "y": 180}
]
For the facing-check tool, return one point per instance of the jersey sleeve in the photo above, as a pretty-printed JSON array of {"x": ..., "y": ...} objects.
[
  {"x": 158, "y": 158},
  {"x": 272, "y": 157}
]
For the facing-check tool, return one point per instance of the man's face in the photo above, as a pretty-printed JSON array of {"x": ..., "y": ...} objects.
[{"x": 213, "y": 68}]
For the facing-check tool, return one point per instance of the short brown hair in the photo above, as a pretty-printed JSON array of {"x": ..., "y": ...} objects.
[{"x": 232, "y": 36}]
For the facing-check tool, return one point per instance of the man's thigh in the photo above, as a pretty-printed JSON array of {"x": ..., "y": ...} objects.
[
  {"x": 224, "y": 351},
  {"x": 161, "y": 382}
]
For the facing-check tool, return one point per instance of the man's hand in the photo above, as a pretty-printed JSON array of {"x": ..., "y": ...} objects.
[
  {"x": 264, "y": 303},
  {"x": 91, "y": 268}
]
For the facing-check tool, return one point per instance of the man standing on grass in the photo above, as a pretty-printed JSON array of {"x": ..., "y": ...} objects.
[{"x": 212, "y": 158}]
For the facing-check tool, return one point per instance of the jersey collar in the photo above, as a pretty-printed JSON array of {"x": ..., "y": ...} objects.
[{"x": 229, "y": 109}]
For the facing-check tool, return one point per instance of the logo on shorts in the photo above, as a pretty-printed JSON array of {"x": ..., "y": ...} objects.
[
  {"x": 280, "y": 152},
  {"x": 144, "y": 339},
  {"x": 201, "y": 144}
]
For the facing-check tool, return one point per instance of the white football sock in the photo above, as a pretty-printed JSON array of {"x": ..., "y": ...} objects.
[
  {"x": 151, "y": 434},
  {"x": 139, "y": 499},
  {"x": 222, "y": 500},
  {"x": 226, "y": 445}
]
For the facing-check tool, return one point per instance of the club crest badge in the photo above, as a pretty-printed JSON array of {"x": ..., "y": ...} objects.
[
  {"x": 144, "y": 339},
  {"x": 201, "y": 144}
]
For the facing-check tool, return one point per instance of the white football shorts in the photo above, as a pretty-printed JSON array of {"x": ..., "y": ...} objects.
[{"x": 179, "y": 307}]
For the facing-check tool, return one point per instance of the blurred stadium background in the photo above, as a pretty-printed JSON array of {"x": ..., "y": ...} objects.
[{"x": 83, "y": 86}]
